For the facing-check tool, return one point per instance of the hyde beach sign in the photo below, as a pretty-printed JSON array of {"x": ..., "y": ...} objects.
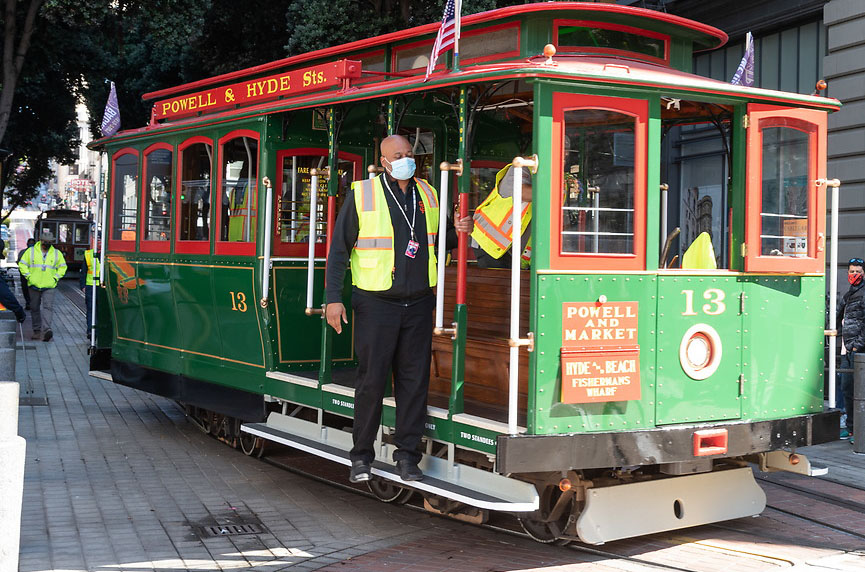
[{"x": 600, "y": 354}]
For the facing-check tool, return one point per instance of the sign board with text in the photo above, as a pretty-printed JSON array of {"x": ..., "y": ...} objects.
[{"x": 600, "y": 354}]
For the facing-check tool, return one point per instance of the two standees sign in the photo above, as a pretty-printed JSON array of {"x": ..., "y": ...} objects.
[
  {"x": 257, "y": 90},
  {"x": 600, "y": 355}
]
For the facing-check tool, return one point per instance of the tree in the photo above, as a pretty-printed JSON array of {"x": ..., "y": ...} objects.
[{"x": 17, "y": 34}]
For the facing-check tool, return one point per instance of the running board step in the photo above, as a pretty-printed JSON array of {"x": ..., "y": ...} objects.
[{"x": 468, "y": 485}]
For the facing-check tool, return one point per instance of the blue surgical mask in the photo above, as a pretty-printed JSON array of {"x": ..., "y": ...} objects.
[{"x": 402, "y": 169}]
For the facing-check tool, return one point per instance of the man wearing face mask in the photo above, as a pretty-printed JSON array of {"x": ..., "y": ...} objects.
[
  {"x": 851, "y": 316},
  {"x": 386, "y": 230}
]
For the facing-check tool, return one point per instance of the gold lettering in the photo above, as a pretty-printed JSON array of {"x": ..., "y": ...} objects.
[
  {"x": 166, "y": 106},
  {"x": 272, "y": 86},
  {"x": 285, "y": 83},
  {"x": 250, "y": 89},
  {"x": 307, "y": 79}
]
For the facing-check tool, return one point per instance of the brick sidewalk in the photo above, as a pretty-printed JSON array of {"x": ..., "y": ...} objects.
[{"x": 117, "y": 480}]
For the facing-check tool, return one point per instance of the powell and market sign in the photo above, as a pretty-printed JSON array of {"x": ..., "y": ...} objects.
[{"x": 258, "y": 90}]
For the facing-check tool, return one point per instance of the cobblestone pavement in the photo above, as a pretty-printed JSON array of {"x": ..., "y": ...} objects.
[{"x": 118, "y": 480}]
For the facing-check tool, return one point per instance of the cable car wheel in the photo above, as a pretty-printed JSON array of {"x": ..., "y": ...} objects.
[
  {"x": 554, "y": 515},
  {"x": 249, "y": 444},
  {"x": 388, "y": 491}
]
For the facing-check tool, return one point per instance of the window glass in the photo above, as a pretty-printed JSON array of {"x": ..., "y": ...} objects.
[
  {"x": 597, "y": 39},
  {"x": 784, "y": 209},
  {"x": 239, "y": 197},
  {"x": 294, "y": 197},
  {"x": 195, "y": 192},
  {"x": 489, "y": 43},
  {"x": 125, "y": 208},
  {"x": 414, "y": 58},
  {"x": 48, "y": 227},
  {"x": 157, "y": 189},
  {"x": 82, "y": 233},
  {"x": 64, "y": 232},
  {"x": 598, "y": 211}
]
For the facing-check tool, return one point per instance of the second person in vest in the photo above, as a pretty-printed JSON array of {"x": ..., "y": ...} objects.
[
  {"x": 43, "y": 266},
  {"x": 88, "y": 276},
  {"x": 386, "y": 230},
  {"x": 492, "y": 234}
]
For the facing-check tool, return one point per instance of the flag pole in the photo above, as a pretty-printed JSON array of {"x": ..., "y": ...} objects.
[{"x": 459, "y": 9}]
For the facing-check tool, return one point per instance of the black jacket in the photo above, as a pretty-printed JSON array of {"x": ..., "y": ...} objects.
[{"x": 852, "y": 311}]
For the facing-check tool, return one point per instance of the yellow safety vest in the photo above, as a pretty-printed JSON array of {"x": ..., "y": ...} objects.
[
  {"x": 92, "y": 267},
  {"x": 493, "y": 221},
  {"x": 372, "y": 258},
  {"x": 238, "y": 210},
  {"x": 36, "y": 268}
]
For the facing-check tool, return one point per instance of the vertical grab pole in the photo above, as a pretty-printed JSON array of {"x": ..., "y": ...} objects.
[
  {"x": 516, "y": 250},
  {"x": 94, "y": 243},
  {"x": 104, "y": 237},
  {"x": 444, "y": 207},
  {"x": 833, "y": 284},
  {"x": 312, "y": 235},
  {"x": 664, "y": 192},
  {"x": 265, "y": 266}
]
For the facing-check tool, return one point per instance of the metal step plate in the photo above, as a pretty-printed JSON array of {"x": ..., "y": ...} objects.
[{"x": 474, "y": 487}]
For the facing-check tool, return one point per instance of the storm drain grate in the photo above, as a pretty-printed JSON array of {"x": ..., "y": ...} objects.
[{"x": 229, "y": 530}]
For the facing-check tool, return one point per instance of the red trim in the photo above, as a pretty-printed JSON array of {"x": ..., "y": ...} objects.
[
  {"x": 813, "y": 123},
  {"x": 300, "y": 249},
  {"x": 191, "y": 246},
  {"x": 163, "y": 246},
  {"x": 118, "y": 244},
  {"x": 615, "y": 27},
  {"x": 719, "y": 37},
  {"x": 637, "y": 108},
  {"x": 224, "y": 247},
  {"x": 502, "y": 55},
  {"x": 368, "y": 79}
]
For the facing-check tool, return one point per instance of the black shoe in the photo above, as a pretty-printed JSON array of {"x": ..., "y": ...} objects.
[
  {"x": 408, "y": 470},
  {"x": 48, "y": 335},
  {"x": 360, "y": 472}
]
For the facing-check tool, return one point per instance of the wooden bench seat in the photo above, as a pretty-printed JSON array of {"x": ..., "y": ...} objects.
[{"x": 487, "y": 351}]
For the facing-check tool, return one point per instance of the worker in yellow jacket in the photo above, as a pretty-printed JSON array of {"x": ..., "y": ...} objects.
[
  {"x": 492, "y": 234},
  {"x": 43, "y": 266}
]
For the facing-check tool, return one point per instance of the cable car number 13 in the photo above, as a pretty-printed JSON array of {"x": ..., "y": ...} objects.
[
  {"x": 238, "y": 301},
  {"x": 716, "y": 305}
]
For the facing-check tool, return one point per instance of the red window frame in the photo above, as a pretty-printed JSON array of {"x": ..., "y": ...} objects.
[
  {"x": 497, "y": 56},
  {"x": 300, "y": 249},
  {"x": 373, "y": 77},
  {"x": 639, "y": 110},
  {"x": 191, "y": 246},
  {"x": 611, "y": 51},
  {"x": 394, "y": 58},
  {"x": 116, "y": 243},
  {"x": 813, "y": 122},
  {"x": 224, "y": 247},
  {"x": 163, "y": 246}
]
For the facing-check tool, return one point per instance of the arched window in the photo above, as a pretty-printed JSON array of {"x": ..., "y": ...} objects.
[
  {"x": 156, "y": 198},
  {"x": 237, "y": 209},
  {"x": 193, "y": 208},
  {"x": 124, "y": 200}
]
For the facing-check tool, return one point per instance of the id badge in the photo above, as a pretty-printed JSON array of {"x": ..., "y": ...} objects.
[{"x": 411, "y": 249}]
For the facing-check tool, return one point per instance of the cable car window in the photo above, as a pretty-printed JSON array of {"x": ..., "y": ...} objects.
[
  {"x": 64, "y": 232},
  {"x": 82, "y": 234},
  {"x": 486, "y": 44},
  {"x": 157, "y": 195},
  {"x": 294, "y": 197},
  {"x": 48, "y": 227},
  {"x": 194, "y": 220},
  {"x": 600, "y": 37},
  {"x": 238, "y": 196},
  {"x": 125, "y": 203},
  {"x": 784, "y": 210},
  {"x": 598, "y": 207}
]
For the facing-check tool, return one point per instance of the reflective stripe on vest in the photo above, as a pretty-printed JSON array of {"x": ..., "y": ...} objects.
[
  {"x": 372, "y": 258},
  {"x": 92, "y": 267},
  {"x": 42, "y": 274}
]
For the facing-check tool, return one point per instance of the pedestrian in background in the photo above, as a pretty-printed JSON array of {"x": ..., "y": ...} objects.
[
  {"x": 89, "y": 275},
  {"x": 43, "y": 266},
  {"x": 851, "y": 316},
  {"x": 25, "y": 286}
]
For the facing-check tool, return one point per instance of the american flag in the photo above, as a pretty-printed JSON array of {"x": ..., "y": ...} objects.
[{"x": 449, "y": 33}]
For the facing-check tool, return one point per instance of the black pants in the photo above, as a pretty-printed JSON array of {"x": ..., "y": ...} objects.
[
  {"x": 390, "y": 337},
  {"x": 25, "y": 289}
]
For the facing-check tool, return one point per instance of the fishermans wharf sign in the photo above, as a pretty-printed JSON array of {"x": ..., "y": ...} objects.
[{"x": 258, "y": 90}]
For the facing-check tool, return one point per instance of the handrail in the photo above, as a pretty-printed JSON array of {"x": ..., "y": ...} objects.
[
  {"x": 92, "y": 301},
  {"x": 665, "y": 189},
  {"x": 313, "y": 217},
  {"x": 833, "y": 282},
  {"x": 374, "y": 171},
  {"x": 444, "y": 206},
  {"x": 516, "y": 251},
  {"x": 265, "y": 267}
]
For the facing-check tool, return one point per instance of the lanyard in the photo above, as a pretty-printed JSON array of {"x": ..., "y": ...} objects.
[{"x": 402, "y": 210}]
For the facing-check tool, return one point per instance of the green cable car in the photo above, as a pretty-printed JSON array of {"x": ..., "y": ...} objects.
[{"x": 668, "y": 331}]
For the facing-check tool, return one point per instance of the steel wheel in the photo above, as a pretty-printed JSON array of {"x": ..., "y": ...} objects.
[
  {"x": 388, "y": 491},
  {"x": 550, "y": 521}
]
